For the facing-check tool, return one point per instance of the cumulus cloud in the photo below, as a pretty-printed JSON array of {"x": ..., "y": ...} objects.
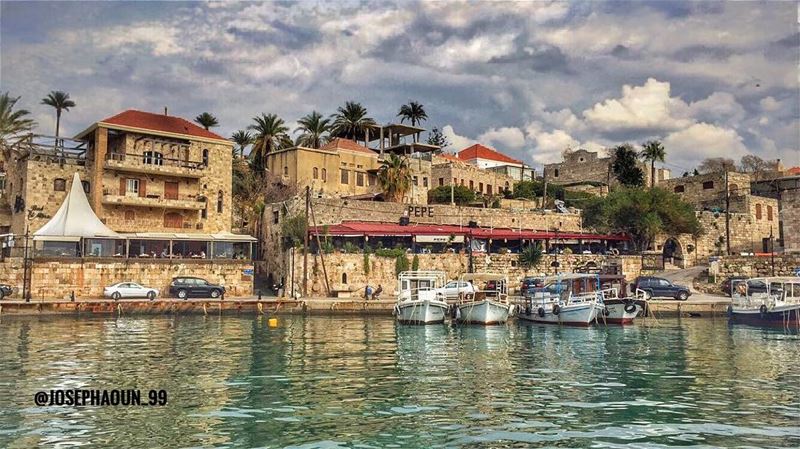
[
  {"x": 506, "y": 137},
  {"x": 457, "y": 142},
  {"x": 703, "y": 140}
]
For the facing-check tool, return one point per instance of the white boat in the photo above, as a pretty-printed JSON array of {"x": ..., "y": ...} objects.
[
  {"x": 419, "y": 300},
  {"x": 767, "y": 301},
  {"x": 488, "y": 304},
  {"x": 573, "y": 299},
  {"x": 620, "y": 308}
]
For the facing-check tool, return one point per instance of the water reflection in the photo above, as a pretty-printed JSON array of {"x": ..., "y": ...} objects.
[{"x": 349, "y": 381}]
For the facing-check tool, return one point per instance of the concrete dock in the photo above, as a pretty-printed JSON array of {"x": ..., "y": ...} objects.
[{"x": 701, "y": 306}]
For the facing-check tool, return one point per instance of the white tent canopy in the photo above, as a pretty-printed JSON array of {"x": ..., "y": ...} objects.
[{"x": 75, "y": 218}]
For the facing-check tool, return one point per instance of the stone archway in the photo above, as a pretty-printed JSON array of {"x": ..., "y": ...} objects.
[{"x": 673, "y": 253}]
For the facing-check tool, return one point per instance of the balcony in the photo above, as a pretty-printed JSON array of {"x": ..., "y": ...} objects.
[
  {"x": 183, "y": 202},
  {"x": 154, "y": 164}
]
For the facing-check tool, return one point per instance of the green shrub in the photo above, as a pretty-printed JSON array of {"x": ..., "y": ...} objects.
[
  {"x": 415, "y": 263},
  {"x": 400, "y": 264},
  {"x": 462, "y": 195},
  {"x": 390, "y": 252},
  {"x": 366, "y": 263}
]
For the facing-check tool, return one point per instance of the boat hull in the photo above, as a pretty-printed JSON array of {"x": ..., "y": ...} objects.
[
  {"x": 570, "y": 315},
  {"x": 483, "y": 312},
  {"x": 423, "y": 311},
  {"x": 782, "y": 316},
  {"x": 617, "y": 313}
]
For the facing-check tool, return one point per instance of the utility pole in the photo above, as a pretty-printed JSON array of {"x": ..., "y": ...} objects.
[
  {"x": 452, "y": 193},
  {"x": 772, "y": 250},
  {"x": 26, "y": 273},
  {"x": 305, "y": 244},
  {"x": 727, "y": 214},
  {"x": 544, "y": 190}
]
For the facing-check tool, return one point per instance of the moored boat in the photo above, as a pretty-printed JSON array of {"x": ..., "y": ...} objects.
[
  {"x": 573, "y": 299},
  {"x": 419, "y": 299},
  {"x": 620, "y": 308},
  {"x": 488, "y": 304},
  {"x": 767, "y": 301}
]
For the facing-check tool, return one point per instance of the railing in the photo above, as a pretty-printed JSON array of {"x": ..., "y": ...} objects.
[
  {"x": 156, "y": 196},
  {"x": 155, "y": 161}
]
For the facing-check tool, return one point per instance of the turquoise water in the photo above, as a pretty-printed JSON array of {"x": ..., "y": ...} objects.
[{"x": 336, "y": 382}]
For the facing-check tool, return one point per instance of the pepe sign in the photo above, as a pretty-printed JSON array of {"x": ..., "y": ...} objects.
[{"x": 420, "y": 211}]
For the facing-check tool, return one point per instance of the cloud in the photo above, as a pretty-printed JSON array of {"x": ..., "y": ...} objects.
[
  {"x": 506, "y": 137},
  {"x": 703, "y": 140},
  {"x": 457, "y": 142}
]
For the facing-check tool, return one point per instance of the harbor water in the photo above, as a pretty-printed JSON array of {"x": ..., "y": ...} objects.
[{"x": 366, "y": 382}]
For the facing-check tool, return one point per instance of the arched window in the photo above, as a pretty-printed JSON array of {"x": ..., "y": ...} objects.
[
  {"x": 316, "y": 173},
  {"x": 130, "y": 215},
  {"x": 60, "y": 185},
  {"x": 205, "y": 157},
  {"x": 344, "y": 278},
  {"x": 324, "y": 174},
  {"x": 219, "y": 202},
  {"x": 153, "y": 158},
  {"x": 173, "y": 220},
  {"x": 285, "y": 170},
  {"x": 87, "y": 187}
]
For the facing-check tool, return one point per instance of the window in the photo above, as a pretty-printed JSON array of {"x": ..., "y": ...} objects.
[
  {"x": 204, "y": 212},
  {"x": 153, "y": 158},
  {"x": 285, "y": 170},
  {"x": 130, "y": 215},
  {"x": 441, "y": 182},
  {"x": 555, "y": 173},
  {"x": 60, "y": 185},
  {"x": 170, "y": 190},
  {"x": 276, "y": 216},
  {"x": 679, "y": 189},
  {"x": 132, "y": 187},
  {"x": 205, "y": 157},
  {"x": 758, "y": 212},
  {"x": 372, "y": 179},
  {"x": 425, "y": 181},
  {"x": 86, "y": 186},
  {"x": 316, "y": 173},
  {"x": 489, "y": 189},
  {"x": 173, "y": 220},
  {"x": 462, "y": 181},
  {"x": 415, "y": 180},
  {"x": 360, "y": 179},
  {"x": 769, "y": 213},
  {"x": 734, "y": 189},
  {"x": 344, "y": 278},
  {"x": 345, "y": 176},
  {"x": 455, "y": 181},
  {"x": 219, "y": 202},
  {"x": 324, "y": 174},
  {"x": 471, "y": 184},
  {"x": 708, "y": 185},
  {"x": 480, "y": 187}
]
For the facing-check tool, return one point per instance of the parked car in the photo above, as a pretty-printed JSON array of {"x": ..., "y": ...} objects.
[
  {"x": 129, "y": 290},
  {"x": 184, "y": 287},
  {"x": 453, "y": 289},
  {"x": 655, "y": 287},
  {"x": 5, "y": 290},
  {"x": 531, "y": 285}
]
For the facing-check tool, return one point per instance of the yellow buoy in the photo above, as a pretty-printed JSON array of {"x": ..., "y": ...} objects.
[{"x": 272, "y": 322}]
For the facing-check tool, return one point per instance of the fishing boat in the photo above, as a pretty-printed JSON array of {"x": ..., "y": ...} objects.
[
  {"x": 488, "y": 303},
  {"x": 419, "y": 297},
  {"x": 621, "y": 308},
  {"x": 767, "y": 301},
  {"x": 573, "y": 299}
]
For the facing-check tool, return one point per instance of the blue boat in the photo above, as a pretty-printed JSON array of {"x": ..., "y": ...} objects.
[{"x": 768, "y": 301}]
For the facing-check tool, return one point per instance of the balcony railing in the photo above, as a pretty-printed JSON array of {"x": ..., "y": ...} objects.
[
  {"x": 155, "y": 163},
  {"x": 156, "y": 199}
]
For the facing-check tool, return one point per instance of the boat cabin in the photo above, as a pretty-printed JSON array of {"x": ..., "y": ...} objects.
[{"x": 414, "y": 285}]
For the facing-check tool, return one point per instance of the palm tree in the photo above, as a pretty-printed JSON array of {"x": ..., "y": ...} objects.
[
  {"x": 414, "y": 112},
  {"x": 12, "y": 122},
  {"x": 206, "y": 120},
  {"x": 270, "y": 135},
  {"x": 61, "y": 102},
  {"x": 313, "y": 128},
  {"x": 241, "y": 138},
  {"x": 351, "y": 121},
  {"x": 653, "y": 151},
  {"x": 394, "y": 177}
]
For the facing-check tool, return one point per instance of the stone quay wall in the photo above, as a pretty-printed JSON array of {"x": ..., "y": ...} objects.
[
  {"x": 754, "y": 266},
  {"x": 56, "y": 279},
  {"x": 790, "y": 217},
  {"x": 348, "y": 272}
]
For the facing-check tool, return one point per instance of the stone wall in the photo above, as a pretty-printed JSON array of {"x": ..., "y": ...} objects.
[
  {"x": 350, "y": 268},
  {"x": 708, "y": 190},
  {"x": 790, "y": 217},
  {"x": 755, "y": 266},
  {"x": 55, "y": 279},
  {"x": 486, "y": 182},
  {"x": 582, "y": 166}
]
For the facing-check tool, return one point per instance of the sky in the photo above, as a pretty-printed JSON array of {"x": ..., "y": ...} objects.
[{"x": 531, "y": 79}]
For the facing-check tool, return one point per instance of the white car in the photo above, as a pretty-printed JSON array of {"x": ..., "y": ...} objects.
[
  {"x": 452, "y": 289},
  {"x": 129, "y": 290}
]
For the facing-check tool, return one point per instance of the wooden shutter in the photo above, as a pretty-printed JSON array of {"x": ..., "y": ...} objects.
[
  {"x": 142, "y": 189},
  {"x": 123, "y": 183},
  {"x": 170, "y": 190}
]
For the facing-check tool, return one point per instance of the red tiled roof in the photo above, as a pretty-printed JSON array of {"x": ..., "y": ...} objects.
[
  {"x": 160, "y": 122},
  {"x": 361, "y": 228},
  {"x": 450, "y": 157},
  {"x": 794, "y": 171},
  {"x": 479, "y": 151},
  {"x": 340, "y": 143}
]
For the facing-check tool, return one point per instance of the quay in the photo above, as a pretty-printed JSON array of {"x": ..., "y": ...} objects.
[{"x": 700, "y": 307}]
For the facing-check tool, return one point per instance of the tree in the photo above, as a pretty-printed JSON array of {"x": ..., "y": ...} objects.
[
  {"x": 242, "y": 139},
  {"x": 351, "y": 122},
  {"x": 12, "y": 122},
  {"x": 60, "y": 101},
  {"x": 716, "y": 164},
  {"x": 641, "y": 214},
  {"x": 750, "y": 163},
  {"x": 293, "y": 230},
  {"x": 252, "y": 191},
  {"x": 653, "y": 151},
  {"x": 206, "y": 120},
  {"x": 413, "y": 112},
  {"x": 530, "y": 256},
  {"x": 313, "y": 128},
  {"x": 270, "y": 135},
  {"x": 435, "y": 137},
  {"x": 441, "y": 195},
  {"x": 625, "y": 166},
  {"x": 394, "y": 177}
]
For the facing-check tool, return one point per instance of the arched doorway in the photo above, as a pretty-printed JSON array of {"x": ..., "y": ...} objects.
[{"x": 673, "y": 252}]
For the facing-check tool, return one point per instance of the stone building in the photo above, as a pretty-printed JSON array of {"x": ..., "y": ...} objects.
[
  {"x": 141, "y": 172},
  {"x": 447, "y": 170},
  {"x": 587, "y": 167},
  {"x": 790, "y": 217}
]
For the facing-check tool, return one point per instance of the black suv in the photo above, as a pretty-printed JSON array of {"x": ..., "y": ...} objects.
[
  {"x": 654, "y": 287},
  {"x": 531, "y": 285},
  {"x": 184, "y": 287}
]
